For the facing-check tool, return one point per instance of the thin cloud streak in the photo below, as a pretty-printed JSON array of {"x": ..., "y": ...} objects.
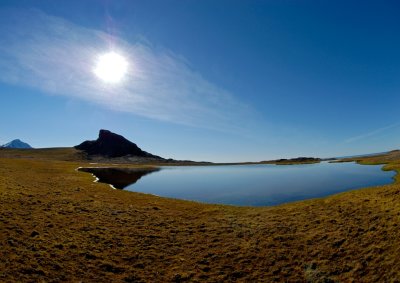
[
  {"x": 57, "y": 57},
  {"x": 371, "y": 133}
]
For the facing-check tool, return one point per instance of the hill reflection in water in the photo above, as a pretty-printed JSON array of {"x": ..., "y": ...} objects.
[{"x": 119, "y": 178}]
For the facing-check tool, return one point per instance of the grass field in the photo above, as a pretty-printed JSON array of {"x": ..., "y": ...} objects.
[{"x": 56, "y": 225}]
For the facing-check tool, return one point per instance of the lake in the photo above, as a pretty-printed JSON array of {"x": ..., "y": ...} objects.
[{"x": 247, "y": 185}]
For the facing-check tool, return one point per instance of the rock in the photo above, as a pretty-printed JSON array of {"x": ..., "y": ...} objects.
[{"x": 111, "y": 145}]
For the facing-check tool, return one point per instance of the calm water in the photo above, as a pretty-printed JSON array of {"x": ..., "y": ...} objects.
[{"x": 259, "y": 185}]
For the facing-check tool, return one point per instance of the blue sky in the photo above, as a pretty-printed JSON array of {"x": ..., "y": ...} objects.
[{"x": 207, "y": 80}]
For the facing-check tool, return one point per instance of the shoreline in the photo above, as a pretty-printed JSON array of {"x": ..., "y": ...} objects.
[
  {"x": 60, "y": 226},
  {"x": 111, "y": 178}
]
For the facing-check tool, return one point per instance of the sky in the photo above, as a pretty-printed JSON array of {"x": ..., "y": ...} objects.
[{"x": 206, "y": 80}]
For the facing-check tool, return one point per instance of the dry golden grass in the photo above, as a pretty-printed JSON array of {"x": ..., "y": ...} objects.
[{"x": 57, "y": 225}]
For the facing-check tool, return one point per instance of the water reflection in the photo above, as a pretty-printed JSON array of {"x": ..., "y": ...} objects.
[
  {"x": 249, "y": 185},
  {"x": 120, "y": 178}
]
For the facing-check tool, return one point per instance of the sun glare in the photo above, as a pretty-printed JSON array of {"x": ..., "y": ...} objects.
[{"x": 111, "y": 67}]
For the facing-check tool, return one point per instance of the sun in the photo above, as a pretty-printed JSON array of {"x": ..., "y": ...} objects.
[{"x": 111, "y": 67}]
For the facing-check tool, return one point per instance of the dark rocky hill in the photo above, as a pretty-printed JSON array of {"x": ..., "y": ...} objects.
[{"x": 112, "y": 145}]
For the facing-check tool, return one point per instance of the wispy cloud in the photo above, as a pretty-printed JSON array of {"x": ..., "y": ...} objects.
[
  {"x": 372, "y": 133},
  {"x": 57, "y": 57}
]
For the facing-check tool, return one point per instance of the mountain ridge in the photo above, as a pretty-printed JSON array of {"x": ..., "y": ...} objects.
[{"x": 17, "y": 143}]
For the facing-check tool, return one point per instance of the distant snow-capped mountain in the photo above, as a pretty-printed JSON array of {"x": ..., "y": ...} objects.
[{"x": 16, "y": 144}]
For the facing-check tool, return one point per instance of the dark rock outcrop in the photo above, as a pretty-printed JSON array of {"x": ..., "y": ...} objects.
[
  {"x": 112, "y": 145},
  {"x": 298, "y": 160}
]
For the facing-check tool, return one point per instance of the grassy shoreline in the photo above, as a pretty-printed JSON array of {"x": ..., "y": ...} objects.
[{"x": 58, "y": 225}]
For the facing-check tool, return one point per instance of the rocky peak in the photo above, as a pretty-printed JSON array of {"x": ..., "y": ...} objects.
[{"x": 110, "y": 144}]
